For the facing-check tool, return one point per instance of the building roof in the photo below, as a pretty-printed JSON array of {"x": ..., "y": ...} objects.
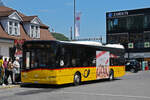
[
  {"x": 3, "y": 8},
  {"x": 28, "y": 18},
  {"x": 44, "y": 31},
  {"x": 6, "y": 13}
]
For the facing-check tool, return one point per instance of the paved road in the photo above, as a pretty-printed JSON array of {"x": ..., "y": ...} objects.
[{"x": 133, "y": 86}]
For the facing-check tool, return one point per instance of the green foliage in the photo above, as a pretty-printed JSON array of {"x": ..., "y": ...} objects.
[{"x": 60, "y": 37}]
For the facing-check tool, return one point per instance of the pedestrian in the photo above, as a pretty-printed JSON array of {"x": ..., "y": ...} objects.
[
  {"x": 16, "y": 70},
  {"x": 1, "y": 71},
  {"x": 5, "y": 71},
  {"x": 10, "y": 70}
]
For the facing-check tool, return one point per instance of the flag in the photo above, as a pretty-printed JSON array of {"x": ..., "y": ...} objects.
[{"x": 77, "y": 24}]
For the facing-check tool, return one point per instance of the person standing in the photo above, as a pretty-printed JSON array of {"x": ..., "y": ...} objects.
[
  {"x": 16, "y": 70},
  {"x": 10, "y": 70},
  {"x": 1, "y": 71},
  {"x": 5, "y": 71}
]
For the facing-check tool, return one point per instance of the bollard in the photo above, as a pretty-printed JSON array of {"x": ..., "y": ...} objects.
[{"x": 146, "y": 68}]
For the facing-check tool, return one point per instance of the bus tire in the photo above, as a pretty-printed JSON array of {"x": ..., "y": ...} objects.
[
  {"x": 133, "y": 70},
  {"x": 77, "y": 78},
  {"x": 111, "y": 75}
]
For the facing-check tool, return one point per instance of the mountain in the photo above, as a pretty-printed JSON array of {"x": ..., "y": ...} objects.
[{"x": 60, "y": 36}]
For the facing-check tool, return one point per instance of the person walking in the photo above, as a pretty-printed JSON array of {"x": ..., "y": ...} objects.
[
  {"x": 1, "y": 71},
  {"x": 16, "y": 70},
  {"x": 10, "y": 70},
  {"x": 5, "y": 71}
]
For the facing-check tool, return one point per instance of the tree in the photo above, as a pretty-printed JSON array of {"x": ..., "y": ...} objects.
[{"x": 60, "y": 36}]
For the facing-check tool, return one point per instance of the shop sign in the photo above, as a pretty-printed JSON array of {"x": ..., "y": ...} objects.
[
  {"x": 116, "y": 14},
  {"x": 146, "y": 44},
  {"x": 130, "y": 45}
]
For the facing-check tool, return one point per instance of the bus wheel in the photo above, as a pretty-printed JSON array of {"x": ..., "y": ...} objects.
[
  {"x": 111, "y": 75},
  {"x": 77, "y": 79},
  {"x": 133, "y": 70}
]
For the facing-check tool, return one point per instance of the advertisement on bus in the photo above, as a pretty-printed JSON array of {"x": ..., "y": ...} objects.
[{"x": 102, "y": 64}]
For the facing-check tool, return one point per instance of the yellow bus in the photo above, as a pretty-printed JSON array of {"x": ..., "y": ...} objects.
[{"x": 57, "y": 62}]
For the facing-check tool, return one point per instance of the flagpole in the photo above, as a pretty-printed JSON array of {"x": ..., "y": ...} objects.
[{"x": 74, "y": 19}]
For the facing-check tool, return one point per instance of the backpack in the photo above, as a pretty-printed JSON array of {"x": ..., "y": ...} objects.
[{"x": 1, "y": 63}]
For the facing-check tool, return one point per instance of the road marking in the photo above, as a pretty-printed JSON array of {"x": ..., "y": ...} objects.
[
  {"x": 110, "y": 95},
  {"x": 130, "y": 74}
]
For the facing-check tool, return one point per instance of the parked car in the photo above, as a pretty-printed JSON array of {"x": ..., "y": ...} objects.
[{"x": 132, "y": 66}]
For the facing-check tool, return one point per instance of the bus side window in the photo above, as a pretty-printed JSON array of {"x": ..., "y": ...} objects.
[
  {"x": 89, "y": 57},
  {"x": 111, "y": 62},
  {"x": 27, "y": 60},
  {"x": 67, "y": 57},
  {"x": 64, "y": 57}
]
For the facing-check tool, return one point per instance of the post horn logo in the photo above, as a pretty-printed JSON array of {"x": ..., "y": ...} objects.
[{"x": 86, "y": 73}]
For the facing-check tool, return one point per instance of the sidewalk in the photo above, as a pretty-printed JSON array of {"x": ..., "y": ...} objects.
[{"x": 9, "y": 86}]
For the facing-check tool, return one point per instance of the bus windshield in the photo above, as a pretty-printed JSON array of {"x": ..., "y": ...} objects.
[{"x": 39, "y": 56}]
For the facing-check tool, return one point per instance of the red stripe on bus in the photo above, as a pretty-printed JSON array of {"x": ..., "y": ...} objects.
[{"x": 100, "y": 54}]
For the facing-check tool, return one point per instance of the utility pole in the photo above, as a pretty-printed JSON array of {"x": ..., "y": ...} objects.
[
  {"x": 74, "y": 19},
  {"x": 101, "y": 39},
  {"x": 71, "y": 33}
]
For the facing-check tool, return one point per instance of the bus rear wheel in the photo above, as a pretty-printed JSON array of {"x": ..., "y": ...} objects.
[{"x": 77, "y": 79}]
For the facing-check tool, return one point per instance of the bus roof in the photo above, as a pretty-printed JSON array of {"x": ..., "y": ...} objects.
[
  {"x": 115, "y": 46},
  {"x": 92, "y": 43},
  {"x": 88, "y": 43}
]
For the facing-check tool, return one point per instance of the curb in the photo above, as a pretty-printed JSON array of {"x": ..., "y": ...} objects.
[{"x": 9, "y": 86}]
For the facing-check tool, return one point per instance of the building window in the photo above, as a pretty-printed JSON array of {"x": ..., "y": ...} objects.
[
  {"x": 135, "y": 23},
  {"x": 139, "y": 45},
  {"x": 117, "y": 25},
  {"x": 32, "y": 31},
  {"x": 146, "y": 36},
  {"x": 115, "y": 22},
  {"x": 136, "y": 37},
  {"x": 147, "y": 21},
  {"x": 112, "y": 24},
  {"x": 35, "y": 31},
  {"x": 13, "y": 28}
]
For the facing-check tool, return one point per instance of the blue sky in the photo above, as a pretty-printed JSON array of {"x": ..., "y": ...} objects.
[{"x": 58, "y": 14}]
